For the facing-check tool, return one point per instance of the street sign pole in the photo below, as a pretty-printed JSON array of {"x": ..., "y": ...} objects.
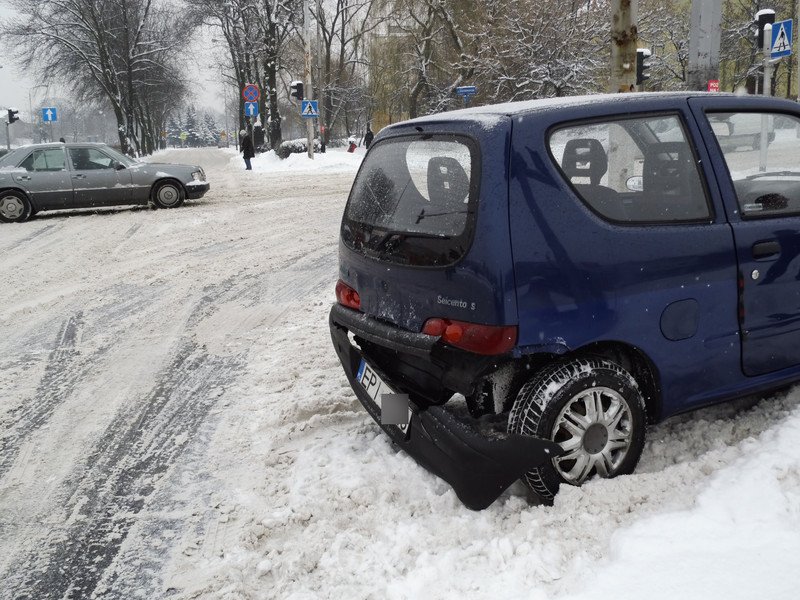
[
  {"x": 767, "y": 49},
  {"x": 307, "y": 69}
]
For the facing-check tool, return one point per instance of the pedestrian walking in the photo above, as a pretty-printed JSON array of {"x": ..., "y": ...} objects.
[
  {"x": 368, "y": 137},
  {"x": 246, "y": 148}
]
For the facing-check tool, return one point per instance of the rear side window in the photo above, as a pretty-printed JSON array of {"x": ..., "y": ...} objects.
[
  {"x": 633, "y": 170},
  {"x": 413, "y": 201},
  {"x": 45, "y": 160}
]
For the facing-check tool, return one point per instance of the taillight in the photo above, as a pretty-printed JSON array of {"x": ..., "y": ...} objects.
[
  {"x": 480, "y": 339},
  {"x": 347, "y": 296}
]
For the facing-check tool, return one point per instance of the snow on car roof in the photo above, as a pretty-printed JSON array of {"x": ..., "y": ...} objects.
[
  {"x": 491, "y": 113},
  {"x": 60, "y": 144}
]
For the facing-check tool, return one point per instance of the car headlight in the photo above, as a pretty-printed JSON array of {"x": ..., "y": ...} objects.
[{"x": 199, "y": 175}]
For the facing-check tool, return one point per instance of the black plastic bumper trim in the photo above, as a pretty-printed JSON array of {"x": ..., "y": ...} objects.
[
  {"x": 479, "y": 468},
  {"x": 418, "y": 344}
]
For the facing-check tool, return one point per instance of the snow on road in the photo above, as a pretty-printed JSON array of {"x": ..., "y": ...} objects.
[{"x": 174, "y": 424}]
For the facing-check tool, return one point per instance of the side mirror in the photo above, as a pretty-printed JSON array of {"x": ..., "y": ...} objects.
[
  {"x": 635, "y": 183},
  {"x": 118, "y": 165}
]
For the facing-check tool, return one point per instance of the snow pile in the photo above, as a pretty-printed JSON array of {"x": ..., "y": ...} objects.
[
  {"x": 334, "y": 160},
  {"x": 740, "y": 539}
]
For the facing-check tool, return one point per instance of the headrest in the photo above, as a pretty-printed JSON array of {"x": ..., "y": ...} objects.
[
  {"x": 447, "y": 180},
  {"x": 667, "y": 166},
  {"x": 585, "y": 157}
]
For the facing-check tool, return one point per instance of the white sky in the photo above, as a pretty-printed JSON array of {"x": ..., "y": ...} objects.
[
  {"x": 14, "y": 86},
  {"x": 205, "y": 87}
]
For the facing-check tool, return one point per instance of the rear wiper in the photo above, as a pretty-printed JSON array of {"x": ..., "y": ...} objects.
[
  {"x": 422, "y": 214},
  {"x": 392, "y": 235}
]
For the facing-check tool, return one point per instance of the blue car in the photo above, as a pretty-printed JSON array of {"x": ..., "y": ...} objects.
[{"x": 525, "y": 287}]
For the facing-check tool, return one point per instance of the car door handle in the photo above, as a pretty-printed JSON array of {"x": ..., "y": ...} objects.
[
  {"x": 765, "y": 249},
  {"x": 79, "y": 176},
  {"x": 24, "y": 177}
]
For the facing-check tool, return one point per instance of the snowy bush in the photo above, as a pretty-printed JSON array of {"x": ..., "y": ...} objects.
[{"x": 298, "y": 146}]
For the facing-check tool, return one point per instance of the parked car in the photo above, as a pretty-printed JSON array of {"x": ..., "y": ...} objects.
[
  {"x": 742, "y": 129},
  {"x": 59, "y": 176},
  {"x": 541, "y": 280}
]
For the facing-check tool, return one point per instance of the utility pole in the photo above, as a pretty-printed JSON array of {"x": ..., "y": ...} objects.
[
  {"x": 622, "y": 79},
  {"x": 323, "y": 131},
  {"x": 704, "y": 41},
  {"x": 307, "y": 69},
  {"x": 623, "y": 45},
  {"x": 797, "y": 12}
]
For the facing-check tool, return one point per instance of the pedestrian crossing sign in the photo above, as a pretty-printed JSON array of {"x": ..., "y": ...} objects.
[
  {"x": 781, "y": 39},
  {"x": 309, "y": 109}
]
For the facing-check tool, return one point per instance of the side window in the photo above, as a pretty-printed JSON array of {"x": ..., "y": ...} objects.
[
  {"x": 89, "y": 159},
  {"x": 761, "y": 152},
  {"x": 633, "y": 170},
  {"x": 45, "y": 160}
]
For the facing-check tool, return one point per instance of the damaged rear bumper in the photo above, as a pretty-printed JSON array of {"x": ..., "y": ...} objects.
[{"x": 478, "y": 467}]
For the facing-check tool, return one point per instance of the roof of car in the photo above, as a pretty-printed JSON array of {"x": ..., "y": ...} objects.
[
  {"x": 63, "y": 145},
  {"x": 493, "y": 112}
]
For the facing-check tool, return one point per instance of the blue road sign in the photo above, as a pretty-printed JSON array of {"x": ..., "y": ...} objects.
[
  {"x": 251, "y": 109},
  {"x": 49, "y": 114},
  {"x": 466, "y": 90},
  {"x": 309, "y": 109},
  {"x": 781, "y": 38}
]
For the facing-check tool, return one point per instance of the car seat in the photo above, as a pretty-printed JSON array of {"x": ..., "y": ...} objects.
[
  {"x": 672, "y": 188},
  {"x": 80, "y": 159},
  {"x": 586, "y": 158}
]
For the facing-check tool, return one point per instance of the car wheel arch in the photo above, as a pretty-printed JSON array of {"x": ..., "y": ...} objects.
[{"x": 629, "y": 357}]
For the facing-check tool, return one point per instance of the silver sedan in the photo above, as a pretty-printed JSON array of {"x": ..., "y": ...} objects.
[{"x": 59, "y": 176}]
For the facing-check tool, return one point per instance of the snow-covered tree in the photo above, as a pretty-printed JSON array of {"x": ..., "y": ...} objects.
[
  {"x": 210, "y": 133},
  {"x": 192, "y": 127}
]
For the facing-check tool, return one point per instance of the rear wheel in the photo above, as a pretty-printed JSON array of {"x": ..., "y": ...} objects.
[
  {"x": 593, "y": 408},
  {"x": 14, "y": 207},
  {"x": 168, "y": 194}
]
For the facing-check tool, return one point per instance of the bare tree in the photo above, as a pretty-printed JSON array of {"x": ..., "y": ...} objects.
[
  {"x": 343, "y": 27},
  {"x": 121, "y": 50},
  {"x": 255, "y": 34}
]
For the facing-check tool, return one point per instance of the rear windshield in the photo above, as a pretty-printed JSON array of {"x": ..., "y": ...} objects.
[{"x": 413, "y": 201}]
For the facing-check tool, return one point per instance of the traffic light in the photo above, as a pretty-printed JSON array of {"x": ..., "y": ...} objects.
[
  {"x": 297, "y": 90},
  {"x": 12, "y": 115},
  {"x": 764, "y": 16},
  {"x": 641, "y": 55}
]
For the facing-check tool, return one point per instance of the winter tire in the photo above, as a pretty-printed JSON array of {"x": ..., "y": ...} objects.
[
  {"x": 168, "y": 194},
  {"x": 593, "y": 408},
  {"x": 14, "y": 207}
]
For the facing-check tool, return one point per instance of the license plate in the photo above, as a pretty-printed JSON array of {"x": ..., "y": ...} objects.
[{"x": 376, "y": 387}]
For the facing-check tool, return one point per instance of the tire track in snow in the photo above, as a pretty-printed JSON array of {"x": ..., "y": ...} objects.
[
  {"x": 102, "y": 500},
  {"x": 30, "y": 237},
  {"x": 62, "y": 374}
]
